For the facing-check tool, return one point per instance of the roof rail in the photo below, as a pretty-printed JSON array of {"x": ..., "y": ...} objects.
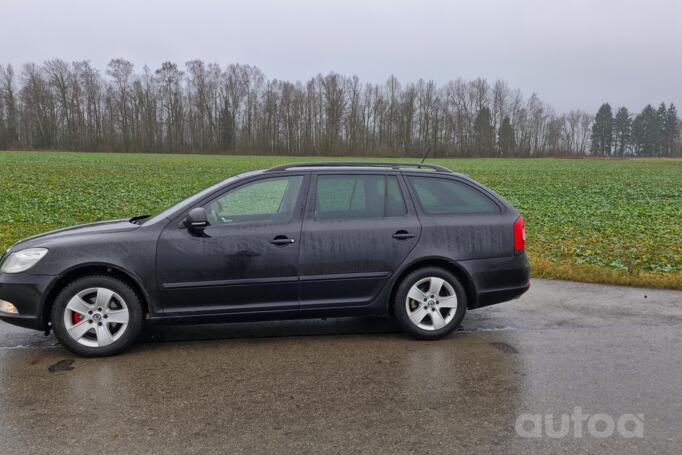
[{"x": 392, "y": 165}]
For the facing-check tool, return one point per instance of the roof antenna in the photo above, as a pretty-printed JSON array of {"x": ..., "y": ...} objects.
[{"x": 425, "y": 155}]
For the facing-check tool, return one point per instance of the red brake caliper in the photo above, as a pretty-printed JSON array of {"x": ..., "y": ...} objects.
[{"x": 76, "y": 317}]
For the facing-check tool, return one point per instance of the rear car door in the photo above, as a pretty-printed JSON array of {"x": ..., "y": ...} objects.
[
  {"x": 460, "y": 220},
  {"x": 358, "y": 228},
  {"x": 246, "y": 260}
]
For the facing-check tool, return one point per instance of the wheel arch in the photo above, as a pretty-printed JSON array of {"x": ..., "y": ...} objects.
[
  {"x": 83, "y": 270},
  {"x": 451, "y": 266}
]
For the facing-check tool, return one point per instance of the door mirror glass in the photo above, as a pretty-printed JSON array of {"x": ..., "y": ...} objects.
[{"x": 197, "y": 219}]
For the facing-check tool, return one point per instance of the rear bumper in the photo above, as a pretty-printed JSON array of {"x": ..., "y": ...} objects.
[
  {"x": 25, "y": 292},
  {"x": 501, "y": 295},
  {"x": 498, "y": 280}
]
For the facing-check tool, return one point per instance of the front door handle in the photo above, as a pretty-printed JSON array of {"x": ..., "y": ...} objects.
[
  {"x": 282, "y": 240},
  {"x": 403, "y": 235}
]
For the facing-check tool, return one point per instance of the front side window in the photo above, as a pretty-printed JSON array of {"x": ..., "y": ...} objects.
[
  {"x": 438, "y": 196},
  {"x": 358, "y": 196},
  {"x": 264, "y": 201}
]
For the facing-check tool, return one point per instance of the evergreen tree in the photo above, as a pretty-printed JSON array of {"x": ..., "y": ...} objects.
[
  {"x": 622, "y": 126},
  {"x": 602, "y": 131},
  {"x": 637, "y": 134},
  {"x": 661, "y": 117},
  {"x": 671, "y": 130},
  {"x": 484, "y": 132},
  {"x": 506, "y": 140},
  {"x": 646, "y": 132}
]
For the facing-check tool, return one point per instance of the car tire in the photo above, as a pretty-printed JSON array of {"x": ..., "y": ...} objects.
[
  {"x": 429, "y": 303},
  {"x": 97, "y": 316}
]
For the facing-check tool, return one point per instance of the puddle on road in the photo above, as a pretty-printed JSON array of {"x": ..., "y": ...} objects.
[
  {"x": 505, "y": 347},
  {"x": 62, "y": 365}
]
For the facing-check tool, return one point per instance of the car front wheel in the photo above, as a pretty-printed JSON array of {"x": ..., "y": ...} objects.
[
  {"x": 430, "y": 303},
  {"x": 97, "y": 316}
]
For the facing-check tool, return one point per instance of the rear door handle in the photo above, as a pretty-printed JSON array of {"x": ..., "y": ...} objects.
[
  {"x": 403, "y": 235},
  {"x": 282, "y": 240}
]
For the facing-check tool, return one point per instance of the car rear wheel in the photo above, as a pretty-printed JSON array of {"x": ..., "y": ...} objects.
[
  {"x": 430, "y": 303},
  {"x": 97, "y": 316}
]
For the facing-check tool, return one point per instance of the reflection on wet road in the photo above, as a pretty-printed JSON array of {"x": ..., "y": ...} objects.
[{"x": 357, "y": 385}]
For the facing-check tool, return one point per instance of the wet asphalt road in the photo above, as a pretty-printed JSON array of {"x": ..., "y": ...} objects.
[{"x": 357, "y": 385}]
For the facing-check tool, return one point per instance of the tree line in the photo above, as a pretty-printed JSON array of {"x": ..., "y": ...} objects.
[
  {"x": 203, "y": 108},
  {"x": 652, "y": 132}
]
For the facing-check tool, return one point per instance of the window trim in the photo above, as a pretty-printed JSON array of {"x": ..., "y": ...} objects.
[
  {"x": 501, "y": 209},
  {"x": 310, "y": 212}
]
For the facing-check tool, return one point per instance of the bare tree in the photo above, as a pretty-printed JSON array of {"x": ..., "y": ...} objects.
[
  {"x": 122, "y": 73},
  {"x": 8, "y": 107}
]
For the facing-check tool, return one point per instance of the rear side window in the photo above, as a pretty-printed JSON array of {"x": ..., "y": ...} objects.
[
  {"x": 358, "y": 196},
  {"x": 439, "y": 196}
]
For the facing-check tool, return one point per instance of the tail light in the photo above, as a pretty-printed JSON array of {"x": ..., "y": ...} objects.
[{"x": 519, "y": 235}]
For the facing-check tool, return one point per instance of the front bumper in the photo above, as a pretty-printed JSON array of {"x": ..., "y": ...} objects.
[{"x": 26, "y": 292}]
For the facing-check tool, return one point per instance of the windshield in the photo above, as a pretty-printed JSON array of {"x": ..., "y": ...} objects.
[{"x": 189, "y": 201}]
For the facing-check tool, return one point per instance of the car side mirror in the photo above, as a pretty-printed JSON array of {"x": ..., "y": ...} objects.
[{"x": 197, "y": 219}]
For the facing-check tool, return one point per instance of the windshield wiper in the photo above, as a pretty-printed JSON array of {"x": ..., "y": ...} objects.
[{"x": 138, "y": 219}]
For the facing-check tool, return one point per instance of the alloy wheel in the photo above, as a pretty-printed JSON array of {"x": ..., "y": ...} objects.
[
  {"x": 431, "y": 303},
  {"x": 96, "y": 317}
]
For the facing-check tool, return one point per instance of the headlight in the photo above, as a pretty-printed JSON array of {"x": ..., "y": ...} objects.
[
  {"x": 9, "y": 308},
  {"x": 20, "y": 261}
]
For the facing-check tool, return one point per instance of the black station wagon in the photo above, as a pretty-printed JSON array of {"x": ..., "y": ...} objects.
[{"x": 413, "y": 241}]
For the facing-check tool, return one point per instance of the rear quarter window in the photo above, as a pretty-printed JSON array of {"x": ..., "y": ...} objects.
[{"x": 439, "y": 196}]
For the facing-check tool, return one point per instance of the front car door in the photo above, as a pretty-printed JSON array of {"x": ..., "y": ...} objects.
[
  {"x": 246, "y": 260},
  {"x": 358, "y": 228}
]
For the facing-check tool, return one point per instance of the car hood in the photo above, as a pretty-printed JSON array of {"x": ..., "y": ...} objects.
[{"x": 90, "y": 228}]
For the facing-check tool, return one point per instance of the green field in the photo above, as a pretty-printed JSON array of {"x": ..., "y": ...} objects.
[{"x": 617, "y": 221}]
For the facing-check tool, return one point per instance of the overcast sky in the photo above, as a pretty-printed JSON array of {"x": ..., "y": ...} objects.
[{"x": 573, "y": 53}]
